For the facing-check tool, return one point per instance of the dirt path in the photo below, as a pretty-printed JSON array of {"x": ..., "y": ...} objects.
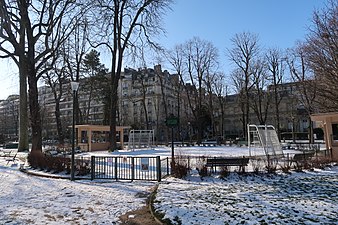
[
  {"x": 139, "y": 217},
  {"x": 142, "y": 216}
]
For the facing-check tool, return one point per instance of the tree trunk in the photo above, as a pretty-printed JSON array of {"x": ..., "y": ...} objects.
[
  {"x": 34, "y": 111},
  {"x": 59, "y": 123},
  {"x": 23, "y": 110},
  {"x": 113, "y": 107}
]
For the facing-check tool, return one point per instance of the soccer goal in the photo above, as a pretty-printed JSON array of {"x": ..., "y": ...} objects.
[
  {"x": 139, "y": 139},
  {"x": 263, "y": 141}
]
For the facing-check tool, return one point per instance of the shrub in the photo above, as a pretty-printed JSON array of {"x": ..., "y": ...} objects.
[
  {"x": 257, "y": 165},
  {"x": 271, "y": 164},
  {"x": 60, "y": 164},
  {"x": 321, "y": 162},
  {"x": 82, "y": 167},
  {"x": 201, "y": 168},
  {"x": 203, "y": 171},
  {"x": 36, "y": 160},
  {"x": 298, "y": 167},
  {"x": 180, "y": 168},
  {"x": 285, "y": 167},
  {"x": 57, "y": 164},
  {"x": 224, "y": 172}
]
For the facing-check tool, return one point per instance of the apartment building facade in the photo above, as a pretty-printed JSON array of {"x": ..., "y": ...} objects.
[
  {"x": 146, "y": 98},
  {"x": 9, "y": 118}
]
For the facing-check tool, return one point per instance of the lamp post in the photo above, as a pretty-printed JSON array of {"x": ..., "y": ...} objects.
[
  {"x": 75, "y": 87},
  {"x": 172, "y": 121},
  {"x": 293, "y": 129}
]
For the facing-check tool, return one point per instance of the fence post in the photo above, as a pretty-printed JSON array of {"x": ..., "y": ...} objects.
[
  {"x": 92, "y": 161},
  {"x": 158, "y": 168},
  {"x": 132, "y": 169},
  {"x": 188, "y": 161},
  {"x": 116, "y": 168},
  {"x": 168, "y": 166}
]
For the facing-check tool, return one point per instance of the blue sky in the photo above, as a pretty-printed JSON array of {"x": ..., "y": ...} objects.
[{"x": 278, "y": 23}]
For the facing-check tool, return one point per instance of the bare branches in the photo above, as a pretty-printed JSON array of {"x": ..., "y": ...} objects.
[
  {"x": 31, "y": 34},
  {"x": 244, "y": 55},
  {"x": 321, "y": 53},
  {"x": 126, "y": 27}
]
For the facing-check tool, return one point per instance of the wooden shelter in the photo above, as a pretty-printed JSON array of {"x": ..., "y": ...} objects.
[
  {"x": 329, "y": 123},
  {"x": 96, "y": 137}
]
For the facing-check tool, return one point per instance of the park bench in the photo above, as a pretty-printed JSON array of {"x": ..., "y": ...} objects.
[
  {"x": 301, "y": 159},
  {"x": 302, "y": 156},
  {"x": 10, "y": 155},
  {"x": 209, "y": 143},
  {"x": 241, "y": 162},
  {"x": 180, "y": 144},
  {"x": 7, "y": 152}
]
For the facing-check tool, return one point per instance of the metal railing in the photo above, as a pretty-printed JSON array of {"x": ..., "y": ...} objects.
[{"x": 128, "y": 168}]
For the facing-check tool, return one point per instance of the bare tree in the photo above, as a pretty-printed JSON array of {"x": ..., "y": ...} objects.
[
  {"x": 30, "y": 34},
  {"x": 276, "y": 73},
  {"x": 176, "y": 59},
  {"x": 243, "y": 55},
  {"x": 221, "y": 90},
  {"x": 209, "y": 82},
  {"x": 126, "y": 25},
  {"x": 200, "y": 58},
  {"x": 76, "y": 47},
  {"x": 321, "y": 52},
  {"x": 56, "y": 80},
  {"x": 303, "y": 76},
  {"x": 141, "y": 84},
  {"x": 259, "y": 96}
]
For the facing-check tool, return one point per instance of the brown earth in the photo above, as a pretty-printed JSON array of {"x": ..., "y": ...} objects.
[{"x": 142, "y": 216}]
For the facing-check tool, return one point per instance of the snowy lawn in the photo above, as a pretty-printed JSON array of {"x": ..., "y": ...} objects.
[
  {"x": 297, "y": 198},
  {"x": 35, "y": 200}
]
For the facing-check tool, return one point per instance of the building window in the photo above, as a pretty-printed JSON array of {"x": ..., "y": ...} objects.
[{"x": 335, "y": 131}]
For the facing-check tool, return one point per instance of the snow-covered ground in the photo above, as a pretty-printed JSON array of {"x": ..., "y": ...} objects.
[
  {"x": 297, "y": 198},
  {"x": 26, "y": 200},
  {"x": 164, "y": 151}
]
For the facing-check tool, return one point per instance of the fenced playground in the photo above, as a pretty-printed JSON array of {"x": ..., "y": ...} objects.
[{"x": 263, "y": 151}]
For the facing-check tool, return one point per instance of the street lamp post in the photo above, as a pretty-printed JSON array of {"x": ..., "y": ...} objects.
[
  {"x": 172, "y": 121},
  {"x": 75, "y": 87}
]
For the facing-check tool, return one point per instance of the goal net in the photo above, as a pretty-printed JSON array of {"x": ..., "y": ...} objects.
[
  {"x": 263, "y": 141},
  {"x": 139, "y": 139}
]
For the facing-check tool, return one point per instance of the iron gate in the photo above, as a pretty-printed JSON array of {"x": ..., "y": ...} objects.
[{"x": 127, "y": 168}]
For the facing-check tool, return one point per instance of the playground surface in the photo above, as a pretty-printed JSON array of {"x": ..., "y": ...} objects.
[{"x": 164, "y": 151}]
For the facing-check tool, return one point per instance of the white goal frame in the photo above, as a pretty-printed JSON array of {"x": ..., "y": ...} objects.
[
  {"x": 263, "y": 141},
  {"x": 140, "y": 139}
]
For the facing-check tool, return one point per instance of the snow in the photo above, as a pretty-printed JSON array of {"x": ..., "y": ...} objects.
[
  {"x": 28, "y": 199},
  {"x": 310, "y": 197},
  {"x": 299, "y": 198},
  {"x": 164, "y": 152}
]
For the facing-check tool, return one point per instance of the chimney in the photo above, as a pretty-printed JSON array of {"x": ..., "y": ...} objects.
[{"x": 158, "y": 68}]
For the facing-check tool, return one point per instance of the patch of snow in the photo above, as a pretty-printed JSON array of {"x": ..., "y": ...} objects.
[
  {"x": 34, "y": 200},
  {"x": 299, "y": 198}
]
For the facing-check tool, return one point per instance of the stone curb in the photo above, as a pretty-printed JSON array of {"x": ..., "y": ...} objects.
[
  {"x": 43, "y": 175},
  {"x": 151, "y": 199}
]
